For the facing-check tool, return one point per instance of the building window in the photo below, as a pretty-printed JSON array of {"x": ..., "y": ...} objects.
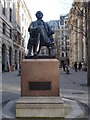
[
  {"x": 4, "y": 28},
  {"x": 3, "y": 11},
  {"x": 65, "y": 22},
  {"x": 65, "y": 26},
  {"x": 65, "y": 37},
  {"x": 61, "y": 27},
  {"x": 25, "y": 33},
  {"x": 22, "y": 17},
  {"x": 10, "y": 33},
  {"x": 67, "y": 48},
  {"x": 23, "y": 30},
  {"x": 62, "y": 49},
  {"x": 62, "y": 54},
  {"x": 62, "y": 38},
  {"x": 3, "y": 7},
  {"x": 66, "y": 42},
  {"x": 10, "y": 18},
  {"x": 66, "y": 54}
]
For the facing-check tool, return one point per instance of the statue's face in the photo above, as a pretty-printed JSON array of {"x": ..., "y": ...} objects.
[{"x": 39, "y": 15}]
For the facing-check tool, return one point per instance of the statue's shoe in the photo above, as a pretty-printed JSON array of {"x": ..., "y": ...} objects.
[{"x": 35, "y": 54}]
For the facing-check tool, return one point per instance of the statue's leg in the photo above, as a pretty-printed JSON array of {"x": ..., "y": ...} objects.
[
  {"x": 29, "y": 51},
  {"x": 37, "y": 45},
  {"x": 39, "y": 49},
  {"x": 44, "y": 36},
  {"x": 51, "y": 50},
  {"x": 33, "y": 49}
]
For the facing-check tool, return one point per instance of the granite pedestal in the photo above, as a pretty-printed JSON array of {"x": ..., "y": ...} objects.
[{"x": 40, "y": 89}]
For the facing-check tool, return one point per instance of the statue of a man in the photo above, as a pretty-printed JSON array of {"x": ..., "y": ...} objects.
[{"x": 41, "y": 28}]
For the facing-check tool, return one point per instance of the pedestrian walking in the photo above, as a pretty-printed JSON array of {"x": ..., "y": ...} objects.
[
  {"x": 63, "y": 66},
  {"x": 67, "y": 69},
  {"x": 75, "y": 66},
  {"x": 83, "y": 65},
  {"x": 80, "y": 66}
]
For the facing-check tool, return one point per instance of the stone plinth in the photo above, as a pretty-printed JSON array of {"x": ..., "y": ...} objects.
[
  {"x": 40, "y": 107},
  {"x": 40, "y": 77},
  {"x": 40, "y": 90}
]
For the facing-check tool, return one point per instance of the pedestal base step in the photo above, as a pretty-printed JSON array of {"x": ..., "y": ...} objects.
[{"x": 40, "y": 107}]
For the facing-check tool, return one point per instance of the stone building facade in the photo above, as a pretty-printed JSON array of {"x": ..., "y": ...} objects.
[
  {"x": 88, "y": 43},
  {"x": 57, "y": 43},
  {"x": 12, "y": 37},
  {"x": 77, "y": 34},
  {"x": 61, "y": 37},
  {"x": 56, "y": 27},
  {"x": 64, "y": 40}
]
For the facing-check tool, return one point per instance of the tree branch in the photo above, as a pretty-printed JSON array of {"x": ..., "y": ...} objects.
[
  {"x": 81, "y": 12},
  {"x": 80, "y": 32}
]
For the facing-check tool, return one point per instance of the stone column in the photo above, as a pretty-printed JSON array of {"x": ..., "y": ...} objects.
[
  {"x": 70, "y": 57},
  {"x": 88, "y": 50},
  {"x": 0, "y": 54},
  {"x": 84, "y": 49},
  {"x": 0, "y": 61},
  {"x": 75, "y": 43},
  {"x": 71, "y": 49},
  {"x": 84, "y": 40},
  {"x": 7, "y": 57},
  {"x": 17, "y": 59},
  {"x": 0, "y": 8},
  {"x": 13, "y": 56},
  {"x": 72, "y": 39},
  {"x": 20, "y": 14},
  {"x": 8, "y": 11},
  {"x": 80, "y": 37},
  {"x": 0, "y": 39}
]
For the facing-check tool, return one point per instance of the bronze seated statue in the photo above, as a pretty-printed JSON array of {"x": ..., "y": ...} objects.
[{"x": 40, "y": 35}]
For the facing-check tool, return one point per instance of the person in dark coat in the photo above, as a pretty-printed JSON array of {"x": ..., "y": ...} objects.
[
  {"x": 63, "y": 66},
  {"x": 80, "y": 66},
  {"x": 75, "y": 66}
]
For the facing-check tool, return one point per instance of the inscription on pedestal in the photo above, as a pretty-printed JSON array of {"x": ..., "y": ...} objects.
[{"x": 39, "y": 85}]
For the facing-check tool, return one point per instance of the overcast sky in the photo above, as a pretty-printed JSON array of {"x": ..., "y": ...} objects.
[{"x": 52, "y": 9}]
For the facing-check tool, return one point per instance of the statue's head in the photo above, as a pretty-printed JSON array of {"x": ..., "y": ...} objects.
[{"x": 39, "y": 14}]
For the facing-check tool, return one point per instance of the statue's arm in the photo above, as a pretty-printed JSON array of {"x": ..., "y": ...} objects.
[
  {"x": 32, "y": 27},
  {"x": 50, "y": 29}
]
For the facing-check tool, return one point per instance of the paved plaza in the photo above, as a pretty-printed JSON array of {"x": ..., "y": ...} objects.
[{"x": 73, "y": 89}]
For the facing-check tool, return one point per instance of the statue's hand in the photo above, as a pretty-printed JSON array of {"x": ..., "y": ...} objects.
[
  {"x": 52, "y": 32},
  {"x": 34, "y": 28}
]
